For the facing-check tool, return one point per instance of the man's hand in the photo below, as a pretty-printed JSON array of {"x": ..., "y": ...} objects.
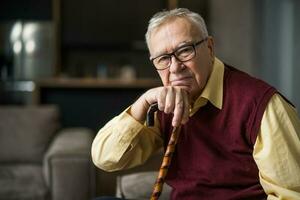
[{"x": 170, "y": 100}]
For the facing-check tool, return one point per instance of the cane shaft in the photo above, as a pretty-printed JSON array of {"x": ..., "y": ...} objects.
[{"x": 158, "y": 186}]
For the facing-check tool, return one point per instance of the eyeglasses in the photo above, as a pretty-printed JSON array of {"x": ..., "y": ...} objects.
[{"x": 182, "y": 54}]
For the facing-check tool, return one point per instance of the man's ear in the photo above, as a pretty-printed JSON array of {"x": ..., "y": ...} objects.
[{"x": 211, "y": 46}]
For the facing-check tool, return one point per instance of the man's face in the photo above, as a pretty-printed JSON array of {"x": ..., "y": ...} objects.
[{"x": 193, "y": 74}]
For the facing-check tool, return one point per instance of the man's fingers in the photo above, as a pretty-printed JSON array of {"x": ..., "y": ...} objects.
[
  {"x": 179, "y": 108},
  {"x": 161, "y": 98},
  {"x": 174, "y": 100},
  {"x": 170, "y": 100}
]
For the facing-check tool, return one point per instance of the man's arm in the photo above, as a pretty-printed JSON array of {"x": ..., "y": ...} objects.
[
  {"x": 124, "y": 143},
  {"x": 277, "y": 151}
]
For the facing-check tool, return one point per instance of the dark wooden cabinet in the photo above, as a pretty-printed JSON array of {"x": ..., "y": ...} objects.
[
  {"x": 98, "y": 24},
  {"x": 109, "y": 33}
]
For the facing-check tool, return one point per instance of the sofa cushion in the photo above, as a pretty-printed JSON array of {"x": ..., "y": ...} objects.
[
  {"x": 139, "y": 186},
  {"x": 22, "y": 182},
  {"x": 25, "y": 132}
]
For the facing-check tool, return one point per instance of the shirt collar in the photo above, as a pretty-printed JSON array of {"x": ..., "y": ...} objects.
[{"x": 213, "y": 90}]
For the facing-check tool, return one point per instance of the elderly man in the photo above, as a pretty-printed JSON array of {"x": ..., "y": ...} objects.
[{"x": 239, "y": 137}]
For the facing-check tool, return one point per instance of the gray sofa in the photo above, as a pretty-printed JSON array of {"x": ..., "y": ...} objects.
[{"x": 39, "y": 161}]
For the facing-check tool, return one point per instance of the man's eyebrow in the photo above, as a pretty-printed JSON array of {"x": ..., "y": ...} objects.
[
  {"x": 183, "y": 44},
  {"x": 177, "y": 47}
]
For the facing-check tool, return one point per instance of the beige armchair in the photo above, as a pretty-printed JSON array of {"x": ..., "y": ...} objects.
[{"x": 39, "y": 161}]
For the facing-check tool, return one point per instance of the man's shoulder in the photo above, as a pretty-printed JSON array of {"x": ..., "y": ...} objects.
[
  {"x": 245, "y": 90},
  {"x": 244, "y": 82}
]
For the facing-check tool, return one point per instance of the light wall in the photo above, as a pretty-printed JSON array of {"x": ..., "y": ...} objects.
[{"x": 260, "y": 37}]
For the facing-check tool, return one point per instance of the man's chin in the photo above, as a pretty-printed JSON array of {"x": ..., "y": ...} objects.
[{"x": 185, "y": 86}]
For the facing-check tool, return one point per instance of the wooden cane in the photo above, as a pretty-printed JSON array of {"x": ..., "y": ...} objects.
[{"x": 158, "y": 185}]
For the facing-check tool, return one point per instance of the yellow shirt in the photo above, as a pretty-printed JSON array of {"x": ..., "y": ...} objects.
[{"x": 124, "y": 142}]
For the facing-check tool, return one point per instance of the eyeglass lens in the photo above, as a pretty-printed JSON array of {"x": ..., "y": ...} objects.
[{"x": 182, "y": 54}]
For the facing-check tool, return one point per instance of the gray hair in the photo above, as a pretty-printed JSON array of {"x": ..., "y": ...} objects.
[{"x": 161, "y": 17}]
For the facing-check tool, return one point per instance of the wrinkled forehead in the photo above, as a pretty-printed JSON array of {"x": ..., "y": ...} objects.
[{"x": 171, "y": 34}]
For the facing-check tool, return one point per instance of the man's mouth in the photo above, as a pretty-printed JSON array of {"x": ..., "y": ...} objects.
[{"x": 184, "y": 81}]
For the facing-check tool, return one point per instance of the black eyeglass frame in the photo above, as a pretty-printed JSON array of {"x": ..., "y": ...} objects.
[{"x": 173, "y": 53}]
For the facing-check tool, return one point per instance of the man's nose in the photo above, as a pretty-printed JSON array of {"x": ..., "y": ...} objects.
[{"x": 176, "y": 65}]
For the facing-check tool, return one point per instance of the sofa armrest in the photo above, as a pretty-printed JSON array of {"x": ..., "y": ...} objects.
[
  {"x": 107, "y": 182},
  {"x": 139, "y": 186},
  {"x": 68, "y": 169}
]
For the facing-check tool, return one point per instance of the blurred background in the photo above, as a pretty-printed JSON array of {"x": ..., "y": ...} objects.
[
  {"x": 86, "y": 54},
  {"x": 89, "y": 58}
]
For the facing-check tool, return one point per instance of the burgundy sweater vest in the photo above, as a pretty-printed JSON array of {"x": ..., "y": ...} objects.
[{"x": 213, "y": 158}]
